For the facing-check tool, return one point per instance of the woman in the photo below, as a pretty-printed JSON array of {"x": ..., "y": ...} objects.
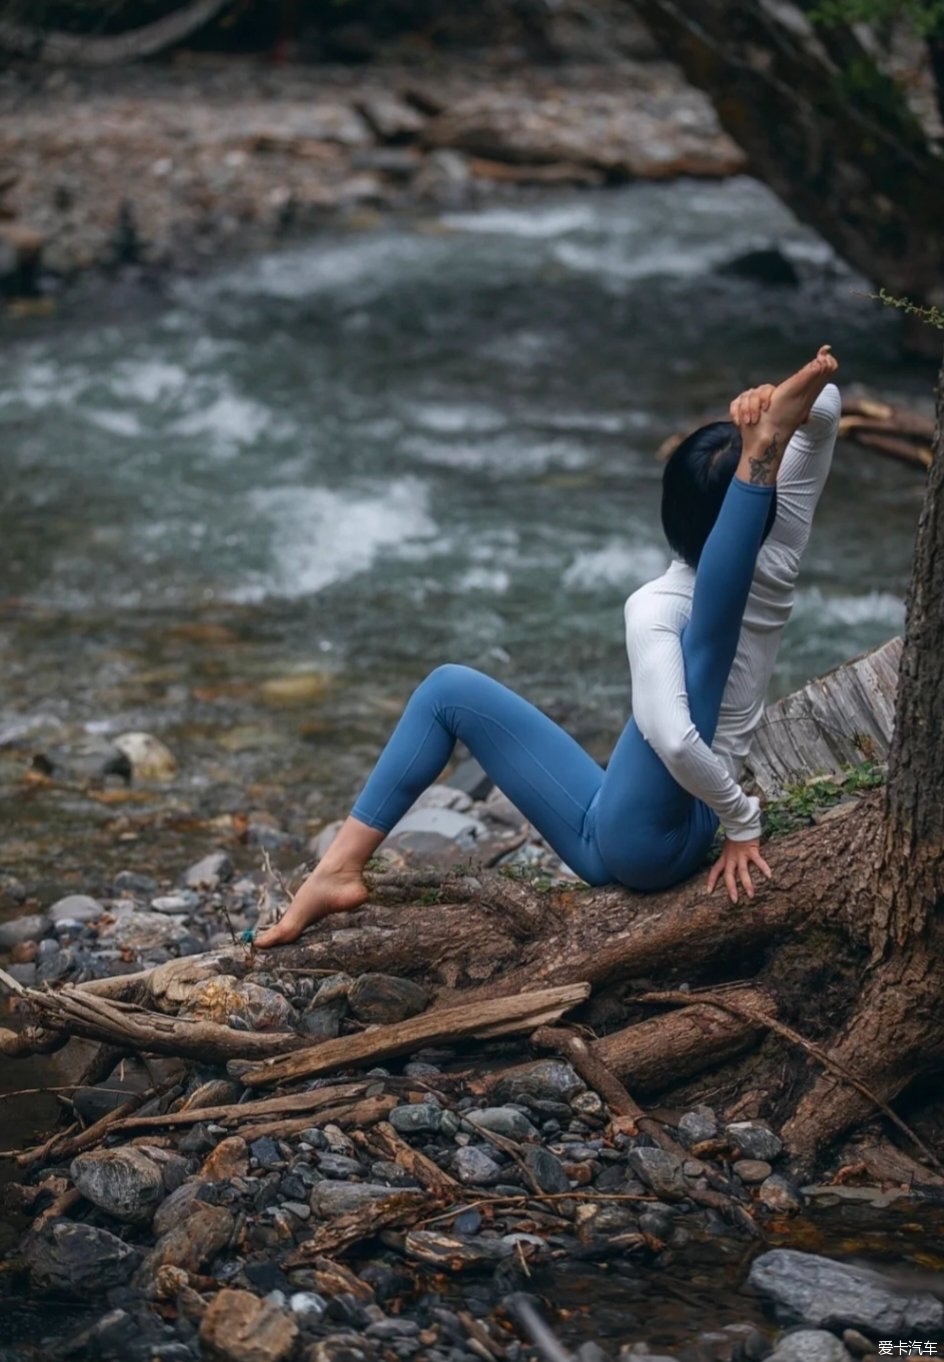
[{"x": 738, "y": 503}]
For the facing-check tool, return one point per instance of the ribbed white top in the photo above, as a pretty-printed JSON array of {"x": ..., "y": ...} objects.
[{"x": 657, "y": 613}]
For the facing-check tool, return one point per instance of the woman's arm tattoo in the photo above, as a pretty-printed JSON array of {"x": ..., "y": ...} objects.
[{"x": 764, "y": 468}]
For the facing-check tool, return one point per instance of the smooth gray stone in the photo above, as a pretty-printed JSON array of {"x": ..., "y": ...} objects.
[
  {"x": 778, "y": 1194},
  {"x": 76, "y": 908},
  {"x": 210, "y": 872},
  {"x": 503, "y": 1121},
  {"x": 475, "y": 1167},
  {"x": 546, "y": 1169},
  {"x": 547, "y": 1080},
  {"x": 808, "y": 1289},
  {"x": 414, "y": 1118},
  {"x": 697, "y": 1125},
  {"x": 809, "y": 1345},
  {"x": 31, "y": 928},
  {"x": 385, "y": 998}
]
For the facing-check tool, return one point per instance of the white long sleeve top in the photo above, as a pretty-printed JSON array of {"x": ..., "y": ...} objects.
[{"x": 657, "y": 613}]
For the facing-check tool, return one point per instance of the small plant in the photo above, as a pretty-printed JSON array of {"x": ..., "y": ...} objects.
[
  {"x": 802, "y": 802},
  {"x": 934, "y": 316},
  {"x": 925, "y": 16}
]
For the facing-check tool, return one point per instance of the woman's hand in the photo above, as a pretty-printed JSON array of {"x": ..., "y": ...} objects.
[
  {"x": 749, "y": 406},
  {"x": 734, "y": 865}
]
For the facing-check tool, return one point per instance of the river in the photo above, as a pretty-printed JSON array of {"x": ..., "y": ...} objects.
[{"x": 334, "y": 467}]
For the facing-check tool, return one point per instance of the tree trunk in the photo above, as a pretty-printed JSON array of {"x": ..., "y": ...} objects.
[
  {"x": 67, "y": 49},
  {"x": 848, "y": 158}
]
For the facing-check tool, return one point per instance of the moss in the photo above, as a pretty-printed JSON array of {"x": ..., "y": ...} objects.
[{"x": 801, "y": 804}]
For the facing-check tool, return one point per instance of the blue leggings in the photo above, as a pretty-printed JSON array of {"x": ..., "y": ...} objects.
[{"x": 630, "y": 823}]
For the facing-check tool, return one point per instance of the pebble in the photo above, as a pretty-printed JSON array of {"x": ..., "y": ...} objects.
[
  {"x": 547, "y": 1080},
  {"x": 31, "y": 928},
  {"x": 697, "y": 1125},
  {"x": 659, "y": 1170},
  {"x": 182, "y": 904},
  {"x": 546, "y": 1169},
  {"x": 779, "y": 1195},
  {"x": 76, "y": 908},
  {"x": 503, "y": 1121},
  {"x": 210, "y": 872},
  {"x": 78, "y": 1261},
  {"x": 385, "y": 998},
  {"x": 239, "y": 1327},
  {"x": 474, "y": 1167},
  {"x": 192, "y": 1243},
  {"x": 809, "y": 1345},
  {"x": 754, "y": 1140},
  {"x": 308, "y": 1304},
  {"x": 416, "y": 1118},
  {"x": 124, "y": 1182},
  {"x": 752, "y": 1170}
]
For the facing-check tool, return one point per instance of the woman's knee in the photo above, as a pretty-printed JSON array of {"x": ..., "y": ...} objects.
[{"x": 446, "y": 682}]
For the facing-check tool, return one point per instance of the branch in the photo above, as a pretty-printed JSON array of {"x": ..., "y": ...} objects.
[{"x": 66, "y": 49}]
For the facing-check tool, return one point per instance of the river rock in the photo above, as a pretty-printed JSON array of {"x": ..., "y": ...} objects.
[
  {"x": 76, "y": 908},
  {"x": 224, "y": 996},
  {"x": 124, "y": 1182},
  {"x": 239, "y": 1327},
  {"x": 546, "y": 1169},
  {"x": 752, "y": 1170},
  {"x": 210, "y": 872},
  {"x": 21, "y": 929},
  {"x": 150, "y": 758},
  {"x": 230, "y": 1159},
  {"x": 329, "y": 1199},
  {"x": 779, "y": 1195},
  {"x": 809, "y": 1345},
  {"x": 390, "y": 118},
  {"x": 754, "y": 1140},
  {"x": 809, "y": 1289},
  {"x": 131, "y": 930},
  {"x": 659, "y": 1170},
  {"x": 763, "y": 265},
  {"x": 415, "y": 1118},
  {"x": 385, "y": 998},
  {"x": 475, "y": 1167},
  {"x": 697, "y": 1125},
  {"x": 503, "y": 1121},
  {"x": 178, "y": 1206},
  {"x": 78, "y": 1261},
  {"x": 179, "y": 905},
  {"x": 193, "y": 1243},
  {"x": 547, "y": 1080},
  {"x": 472, "y": 779},
  {"x": 435, "y": 836}
]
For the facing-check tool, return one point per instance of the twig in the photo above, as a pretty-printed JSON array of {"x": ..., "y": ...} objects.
[{"x": 522, "y": 1310}]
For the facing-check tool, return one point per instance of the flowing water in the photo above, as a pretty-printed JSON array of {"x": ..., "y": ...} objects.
[{"x": 348, "y": 462}]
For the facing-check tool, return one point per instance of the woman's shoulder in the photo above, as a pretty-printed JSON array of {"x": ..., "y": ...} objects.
[{"x": 664, "y": 598}]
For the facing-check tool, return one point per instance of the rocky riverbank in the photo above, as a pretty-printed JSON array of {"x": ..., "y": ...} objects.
[
  {"x": 168, "y": 166},
  {"x": 399, "y": 1212}
]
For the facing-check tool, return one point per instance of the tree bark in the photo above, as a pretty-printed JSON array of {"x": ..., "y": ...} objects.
[{"x": 848, "y": 158}]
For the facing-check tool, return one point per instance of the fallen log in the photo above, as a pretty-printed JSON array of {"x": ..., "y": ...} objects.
[{"x": 497, "y": 1017}]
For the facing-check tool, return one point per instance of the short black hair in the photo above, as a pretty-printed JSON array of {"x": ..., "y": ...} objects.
[{"x": 694, "y": 482}]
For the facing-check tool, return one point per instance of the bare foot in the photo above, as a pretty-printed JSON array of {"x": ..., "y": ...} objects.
[
  {"x": 791, "y": 400},
  {"x": 324, "y": 892}
]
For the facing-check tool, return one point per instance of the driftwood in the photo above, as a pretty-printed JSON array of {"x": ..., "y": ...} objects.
[
  {"x": 497, "y": 1017},
  {"x": 69, "y": 49},
  {"x": 355, "y": 1116},
  {"x": 399, "y": 1210},
  {"x": 390, "y": 1145}
]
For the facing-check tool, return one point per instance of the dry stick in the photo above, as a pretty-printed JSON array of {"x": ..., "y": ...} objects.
[
  {"x": 267, "y": 1106},
  {"x": 360, "y": 1114},
  {"x": 525, "y": 1199},
  {"x": 393, "y": 1146},
  {"x": 495, "y": 1016},
  {"x": 598, "y": 1076},
  {"x": 787, "y": 1032},
  {"x": 399, "y": 1210}
]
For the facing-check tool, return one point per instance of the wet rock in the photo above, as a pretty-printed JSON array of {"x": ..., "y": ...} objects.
[
  {"x": 239, "y": 1327},
  {"x": 323, "y": 1022},
  {"x": 78, "y": 1261},
  {"x": 697, "y": 1125},
  {"x": 384, "y": 998},
  {"x": 754, "y": 1140},
  {"x": 503, "y": 1121},
  {"x": 809, "y": 1345},
  {"x": 224, "y": 997},
  {"x": 193, "y": 1243},
  {"x": 76, "y": 908},
  {"x": 124, "y": 1182},
  {"x": 659, "y": 1170},
  {"x": 546, "y": 1169},
  {"x": 308, "y": 1305},
  {"x": 548, "y": 1080},
  {"x": 752, "y": 1170},
  {"x": 414, "y": 1118},
  {"x": 338, "y": 1166},
  {"x": 266, "y": 1153},
  {"x": 475, "y": 1167},
  {"x": 150, "y": 758},
  {"x": 809, "y": 1289},
  {"x": 329, "y": 1199},
  {"x": 230, "y": 1159},
  {"x": 210, "y": 872},
  {"x": 22, "y": 929},
  {"x": 779, "y": 1195}
]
